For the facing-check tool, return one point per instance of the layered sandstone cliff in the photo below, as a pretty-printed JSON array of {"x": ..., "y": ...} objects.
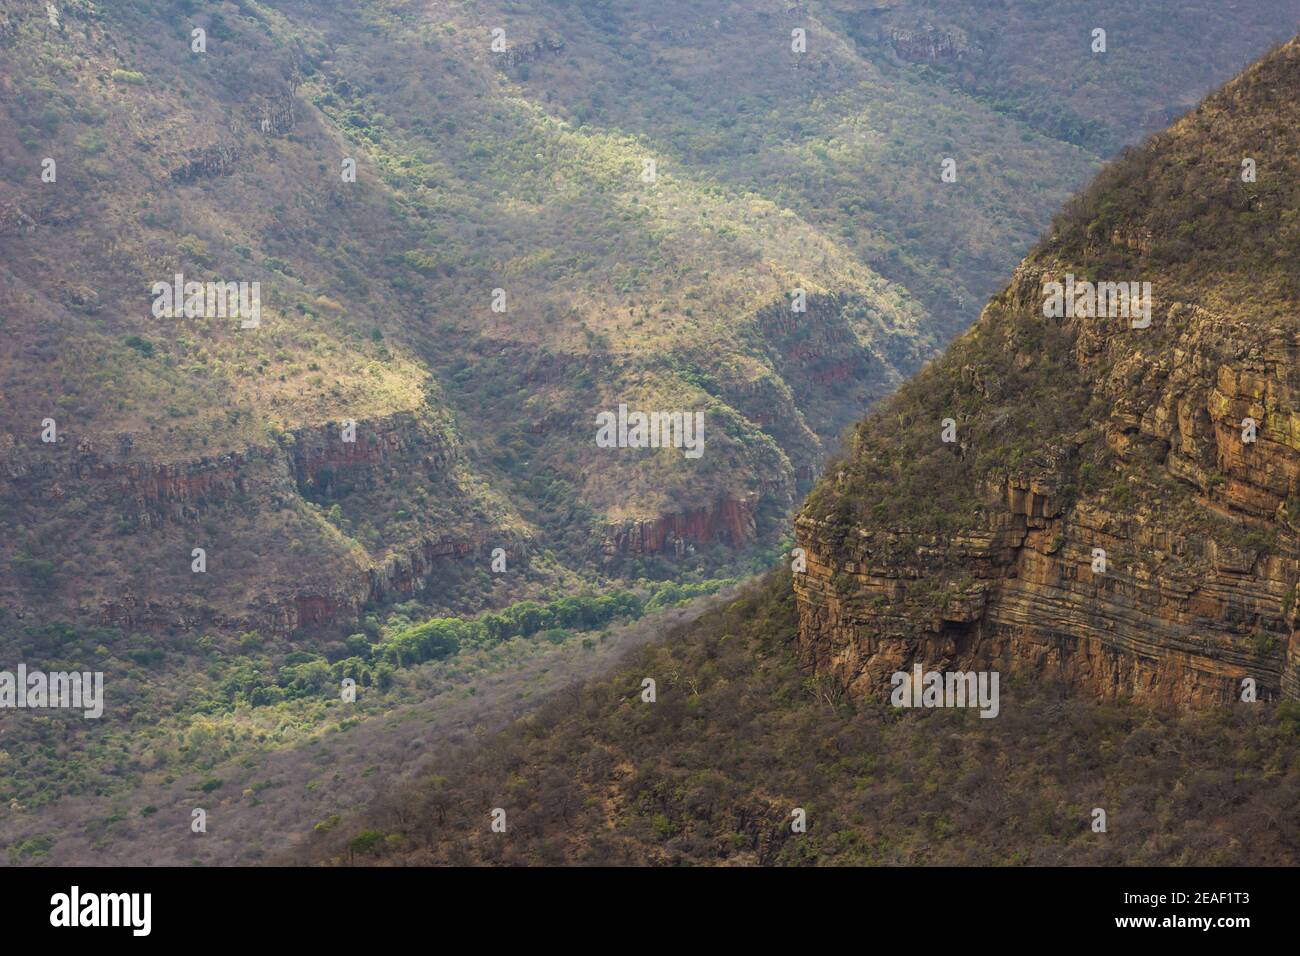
[{"x": 1119, "y": 506}]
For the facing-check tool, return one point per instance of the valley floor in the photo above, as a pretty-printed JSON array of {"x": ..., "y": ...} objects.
[{"x": 276, "y": 784}]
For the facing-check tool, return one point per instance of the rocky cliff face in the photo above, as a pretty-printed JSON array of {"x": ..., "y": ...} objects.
[
  {"x": 1118, "y": 507},
  {"x": 1028, "y": 601},
  {"x": 729, "y": 521},
  {"x": 168, "y": 508},
  {"x": 927, "y": 43}
]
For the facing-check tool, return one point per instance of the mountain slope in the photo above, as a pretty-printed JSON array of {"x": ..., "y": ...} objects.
[
  {"x": 1081, "y": 438},
  {"x": 478, "y": 170}
]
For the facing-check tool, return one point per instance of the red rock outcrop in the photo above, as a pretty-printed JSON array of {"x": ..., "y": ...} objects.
[
  {"x": 162, "y": 502},
  {"x": 729, "y": 520}
]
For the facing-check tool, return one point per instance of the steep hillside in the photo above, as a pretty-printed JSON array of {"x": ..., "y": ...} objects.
[
  {"x": 524, "y": 170},
  {"x": 1118, "y": 508},
  {"x": 998, "y": 51},
  {"x": 170, "y": 434}
]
